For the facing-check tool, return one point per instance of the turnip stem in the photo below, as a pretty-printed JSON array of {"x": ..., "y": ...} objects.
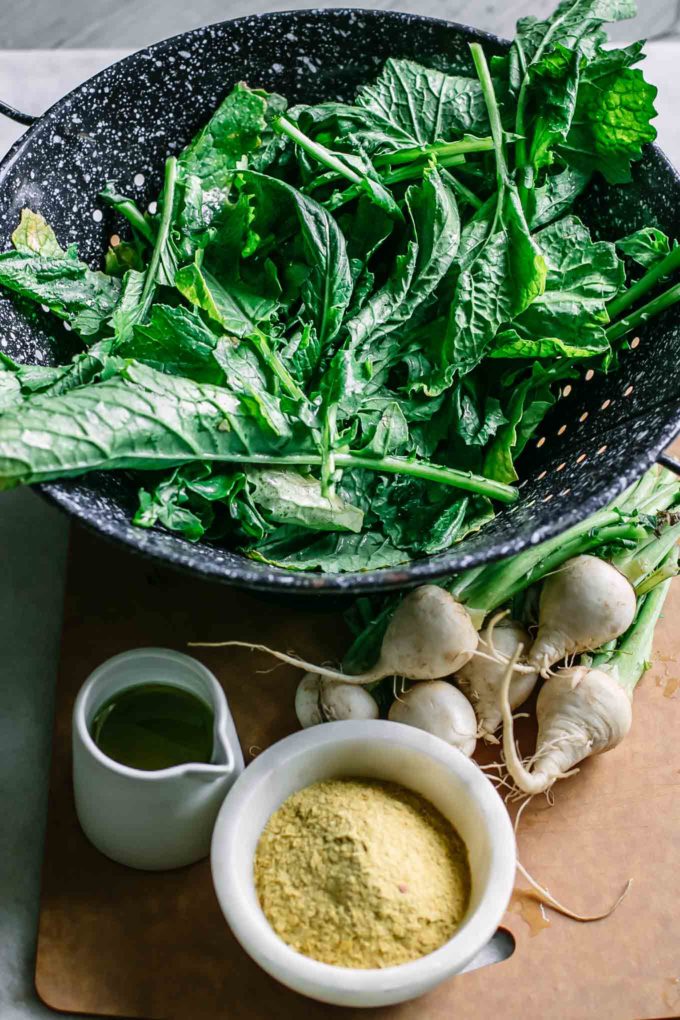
[
  {"x": 629, "y": 297},
  {"x": 631, "y": 659},
  {"x": 500, "y": 582},
  {"x": 642, "y": 315}
]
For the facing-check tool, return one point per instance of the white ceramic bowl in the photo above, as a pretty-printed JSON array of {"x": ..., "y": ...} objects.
[{"x": 379, "y": 750}]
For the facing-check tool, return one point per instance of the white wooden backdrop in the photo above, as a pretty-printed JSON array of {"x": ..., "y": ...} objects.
[{"x": 46, "y": 24}]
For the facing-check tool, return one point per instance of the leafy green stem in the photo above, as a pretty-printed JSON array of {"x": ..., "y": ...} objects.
[
  {"x": 667, "y": 265},
  {"x": 432, "y": 473},
  {"x": 315, "y": 149},
  {"x": 642, "y": 315},
  {"x": 497, "y": 133},
  {"x": 410, "y": 172},
  {"x": 128, "y": 208},
  {"x": 261, "y": 344},
  {"x": 631, "y": 658},
  {"x": 442, "y": 150},
  {"x": 161, "y": 240}
]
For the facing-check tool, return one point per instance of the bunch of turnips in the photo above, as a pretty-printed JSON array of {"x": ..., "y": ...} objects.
[{"x": 576, "y": 613}]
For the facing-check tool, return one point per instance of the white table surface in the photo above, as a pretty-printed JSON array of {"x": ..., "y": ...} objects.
[{"x": 33, "y": 539}]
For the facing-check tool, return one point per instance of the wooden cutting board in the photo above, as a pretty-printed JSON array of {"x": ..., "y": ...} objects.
[{"x": 121, "y": 943}]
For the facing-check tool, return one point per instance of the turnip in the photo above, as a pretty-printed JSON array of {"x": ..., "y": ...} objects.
[
  {"x": 481, "y": 679},
  {"x": 430, "y": 635},
  {"x": 583, "y": 710},
  {"x": 583, "y": 605},
  {"x": 319, "y": 700},
  {"x": 442, "y": 710}
]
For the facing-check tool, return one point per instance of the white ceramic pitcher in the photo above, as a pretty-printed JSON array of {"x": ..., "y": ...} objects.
[{"x": 151, "y": 820}]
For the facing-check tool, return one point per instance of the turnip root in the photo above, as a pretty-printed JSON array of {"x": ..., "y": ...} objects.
[
  {"x": 442, "y": 710},
  {"x": 481, "y": 679},
  {"x": 583, "y": 605},
  {"x": 429, "y": 636},
  {"x": 318, "y": 700},
  {"x": 580, "y": 712}
]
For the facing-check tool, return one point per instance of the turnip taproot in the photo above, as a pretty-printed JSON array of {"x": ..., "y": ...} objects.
[
  {"x": 583, "y": 710},
  {"x": 480, "y": 679},
  {"x": 318, "y": 700},
  {"x": 580, "y": 712},
  {"x": 440, "y": 709},
  {"x": 583, "y": 605},
  {"x": 430, "y": 635}
]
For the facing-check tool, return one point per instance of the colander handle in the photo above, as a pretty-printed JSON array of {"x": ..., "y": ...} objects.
[
  {"x": 17, "y": 115},
  {"x": 669, "y": 462}
]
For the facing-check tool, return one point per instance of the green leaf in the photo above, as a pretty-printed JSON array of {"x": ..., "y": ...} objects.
[
  {"x": 612, "y": 119},
  {"x": 477, "y": 417},
  {"x": 292, "y": 547},
  {"x": 552, "y": 82},
  {"x": 328, "y": 286},
  {"x": 555, "y": 196},
  {"x": 390, "y": 434},
  {"x": 177, "y": 341},
  {"x": 244, "y": 375},
  {"x": 582, "y": 277},
  {"x": 510, "y": 344},
  {"x": 232, "y": 304},
  {"x": 34, "y": 236},
  {"x": 529, "y": 398},
  {"x": 129, "y": 306},
  {"x": 10, "y": 389},
  {"x": 83, "y": 298},
  {"x": 646, "y": 246},
  {"x": 163, "y": 505},
  {"x": 414, "y": 105},
  {"x": 140, "y": 419},
  {"x": 430, "y": 250},
  {"x": 125, "y": 256},
  {"x": 423, "y": 518},
  {"x": 574, "y": 25},
  {"x": 291, "y": 498},
  {"x": 239, "y": 127}
]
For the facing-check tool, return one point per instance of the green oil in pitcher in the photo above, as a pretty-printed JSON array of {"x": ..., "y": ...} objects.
[{"x": 154, "y": 726}]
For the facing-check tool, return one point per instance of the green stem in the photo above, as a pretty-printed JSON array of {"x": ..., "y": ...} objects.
[
  {"x": 430, "y": 472},
  {"x": 497, "y": 133},
  {"x": 642, "y": 315},
  {"x": 273, "y": 361},
  {"x": 501, "y": 581},
  {"x": 465, "y": 193},
  {"x": 668, "y": 568},
  {"x": 320, "y": 152},
  {"x": 631, "y": 659},
  {"x": 161, "y": 240},
  {"x": 441, "y": 150},
  {"x": 652, "y": 555},
  {"x": 412, "y": 172},
  {"x": 128, "y": 208},
  {"x": 665, "y": 267}
]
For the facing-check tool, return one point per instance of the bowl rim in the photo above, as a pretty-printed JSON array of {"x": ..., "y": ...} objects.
[
  {"x": 174, "y": 551},
  {"x": 304, "y": 974}
]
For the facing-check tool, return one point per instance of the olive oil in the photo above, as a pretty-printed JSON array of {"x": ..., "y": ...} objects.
[{"x": 154, "y": 726}]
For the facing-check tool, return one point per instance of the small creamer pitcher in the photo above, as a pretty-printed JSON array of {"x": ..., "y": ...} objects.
[{"x": 153, "y": 820}]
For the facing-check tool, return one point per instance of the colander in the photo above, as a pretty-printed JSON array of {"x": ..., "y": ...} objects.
[{"x": 603, "y": 432}]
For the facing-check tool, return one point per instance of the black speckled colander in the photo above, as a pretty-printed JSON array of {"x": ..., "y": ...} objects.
[{"x": 601, "y": 435}]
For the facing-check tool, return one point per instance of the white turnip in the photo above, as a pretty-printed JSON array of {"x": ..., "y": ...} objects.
[
  {"x": 318, "y": 700},
  {"x": 481, "y": 679},
  {"x": 430, "y": 635},
  {"x": 583, "y": 605},
  {"x": 584, "y": 710},
  {"x": 580, "y": 712},
  {"x": 442, "y": 710}
]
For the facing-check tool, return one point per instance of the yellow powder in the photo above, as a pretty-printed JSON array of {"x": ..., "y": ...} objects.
[{"x": 361, "y": 873}]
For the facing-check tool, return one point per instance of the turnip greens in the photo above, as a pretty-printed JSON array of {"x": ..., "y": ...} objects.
[{"x": 331, "y": 344}]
